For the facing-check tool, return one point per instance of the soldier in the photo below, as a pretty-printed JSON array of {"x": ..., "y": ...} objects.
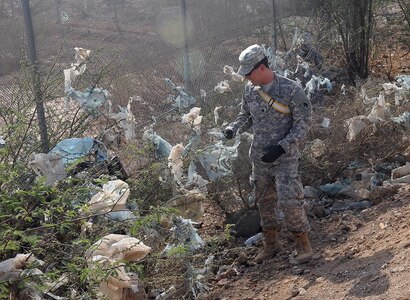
[
  {"x": 306, "y": 50},
  {"x": 280, "y": 115}
]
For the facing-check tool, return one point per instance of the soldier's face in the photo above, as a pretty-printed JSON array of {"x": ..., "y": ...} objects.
[{"x": 254, "y": 76}]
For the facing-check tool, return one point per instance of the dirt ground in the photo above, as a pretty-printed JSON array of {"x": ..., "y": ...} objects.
[{"x": 357, "y": 255}]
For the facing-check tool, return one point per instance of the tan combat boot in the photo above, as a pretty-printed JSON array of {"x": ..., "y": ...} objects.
[
  {"x": 303, "y": 248},
  {"x": 271, "y": 246}
]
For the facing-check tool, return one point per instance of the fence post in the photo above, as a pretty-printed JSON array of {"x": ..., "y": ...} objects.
[
  {"x": 185, "y": 56},
  {"x": 274, "y": 19},
  {"x": 31, "y": 45},
  {"x": 274, "y": 35}
]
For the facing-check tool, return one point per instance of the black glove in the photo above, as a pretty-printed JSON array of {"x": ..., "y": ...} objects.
[
  {"x": 272, "y": 153},
  {"x": 228, "y": 134}
]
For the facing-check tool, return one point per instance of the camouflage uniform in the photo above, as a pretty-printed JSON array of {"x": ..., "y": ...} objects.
[
  {"x": 307, "y": 51},
  {"x": 277, "y": 184}
]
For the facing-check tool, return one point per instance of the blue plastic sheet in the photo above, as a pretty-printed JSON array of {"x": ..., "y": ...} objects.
[{"x": 75, "y": 148}]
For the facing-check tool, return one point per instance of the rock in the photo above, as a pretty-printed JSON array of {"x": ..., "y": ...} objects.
[
  {"x": 297, "y": 271},
  {"x": 406, "y": 245},
  {"x": 320, "y": 280},
  {"x": 247, "y": 222},
  {"x": 223, "y": 282},
  {"x": 302, "y": 291},
  {"x": 295, "y": 292},
  {"x": 311, "y": 193},
  {"x": 319, "y": 211},
  {"x": 316, "y": 256},
  {"x": 242, "y": 259}
]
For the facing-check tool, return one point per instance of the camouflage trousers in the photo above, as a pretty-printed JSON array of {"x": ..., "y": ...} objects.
[{"x": 279, "y": 194}]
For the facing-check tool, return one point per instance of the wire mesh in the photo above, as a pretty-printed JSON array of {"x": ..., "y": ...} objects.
[{"x": 146, "y": 37}]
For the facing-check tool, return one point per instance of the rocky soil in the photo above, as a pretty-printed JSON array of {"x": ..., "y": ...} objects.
[{"x": 359, "y": 254}]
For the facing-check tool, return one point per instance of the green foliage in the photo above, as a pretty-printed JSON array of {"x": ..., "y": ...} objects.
[
  {"x": 178, "y": 251},
  {"x": 149, "y": 189},
  {"x": 152, "y": 218}
]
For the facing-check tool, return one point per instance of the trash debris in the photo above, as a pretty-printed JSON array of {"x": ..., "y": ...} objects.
[
  {"x": 175, "y": 161},
  {"x": 183, "y": 100},
  {"x": 2, "y": 142},
  {"x": 317, "y": 148},
  {"x": 196, "y": 180},
  {"x": 216, "y": 114},
  {"x": 189, "y": 203},
  {"x": 403, "y": 120},
  {"x": 91, "y": 99},
  {"x": 376, "y": 180},
  {"x": 72, "y": 149},
  {"x": 50, "y": 165},
  {"x": 228, "y": 70},
  {"x": 167, "y": 294},
  {"x": 315, "y": 83},
  {"x": 399, "y": 92},
  {"x": 366, "y": 100},
  {"x": 121, "y": 215},
  {"x": 125, "y": 120},
  {"x": 185, "y": 233},
  {"x": 162, "y": 147},
  {"x": 343, "y": 89},
  {"x": 222, "y": 87},
  {"x": 207, "y": 266},
  {"x": 325, "y": 123},
  {"x": 336, "y": 187},
  {"x": 11, "y": 269},
  {"x": 193, "y": 118},
  {"x": 116, "y": 168},
  {"x": 217, "y": 159},
  {"x": 119, "y": 247},
  {"x": 203, "y": 94},
  {"x": 254, "y": 239},
  {"x": 77, "y": 68},
  {"x": 119, "y": 283},
  {"x": 107, "y": 253},
  {"x": 378, "y": 111},
  {"x": 404, "y": 80},
  {"x": 195, "y": 279},
  {"x": 113, "y": 197},
  {"x": 401, "y": 174},
  {"x": 355, "y": 125},
  {"x": 350, "y": 205}
]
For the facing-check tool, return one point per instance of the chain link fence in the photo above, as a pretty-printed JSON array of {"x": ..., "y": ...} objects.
[{"x": 188, "y": 41}]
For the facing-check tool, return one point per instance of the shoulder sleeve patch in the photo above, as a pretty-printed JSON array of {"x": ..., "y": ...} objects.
[{"x": 300, "y": 100}]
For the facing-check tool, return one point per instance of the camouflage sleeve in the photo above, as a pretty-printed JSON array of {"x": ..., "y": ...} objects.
[
  {"x": 301, "y": 110},
  {"x": 244, "y": 120}
]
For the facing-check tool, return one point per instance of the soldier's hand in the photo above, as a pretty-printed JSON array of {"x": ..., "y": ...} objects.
[
  {"x": 228, "y": 134},
  {"x": 272, "y": 153}
]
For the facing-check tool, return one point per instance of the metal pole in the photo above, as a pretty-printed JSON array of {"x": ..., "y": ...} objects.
[
  {"x": 31, "y": 45},
  {"x": 185, "y": 55},
  {"x": 58, "y": 11},
  {"x": 274, "y": 35}
]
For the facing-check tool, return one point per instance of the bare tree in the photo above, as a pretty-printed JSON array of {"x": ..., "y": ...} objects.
[{"x": 354, "y": 22}]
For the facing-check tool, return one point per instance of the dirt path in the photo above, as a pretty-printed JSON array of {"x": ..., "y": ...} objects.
[{"x": 359, "y": 255}]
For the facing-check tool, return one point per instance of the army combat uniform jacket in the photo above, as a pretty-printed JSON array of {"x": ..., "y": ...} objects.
[{"x": 271, "y": 127}]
